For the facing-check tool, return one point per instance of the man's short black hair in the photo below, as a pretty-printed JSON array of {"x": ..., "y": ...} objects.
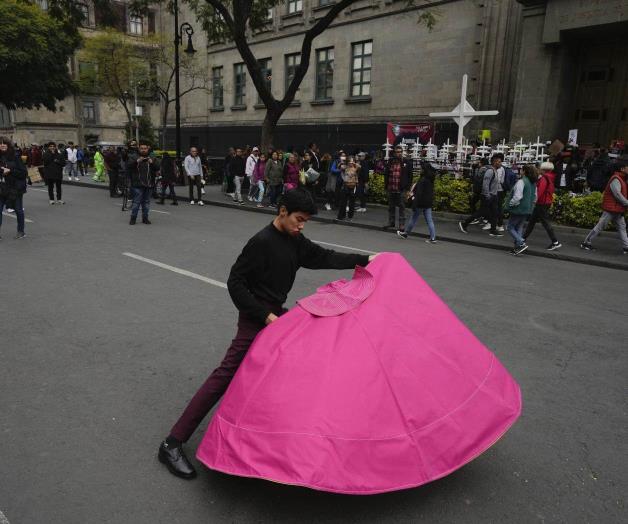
[
  {"x": 496, "y": 156},
  {"x": 298, "y": 200},
  {"x": 144, "y": 143}
]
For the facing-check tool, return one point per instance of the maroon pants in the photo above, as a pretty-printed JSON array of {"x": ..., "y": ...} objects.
[{"x": 218, "y": 382}]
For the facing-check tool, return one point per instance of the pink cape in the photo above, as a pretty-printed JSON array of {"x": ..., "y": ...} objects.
[{"x": 368, "y": 386}]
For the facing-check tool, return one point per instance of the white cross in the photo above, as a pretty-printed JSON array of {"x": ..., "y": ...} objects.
[
  {"x": 388, "y": 148},
  {"x": 463, "y": 113}
]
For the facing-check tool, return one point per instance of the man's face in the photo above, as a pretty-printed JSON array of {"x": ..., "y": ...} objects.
[
  {"x": 4, "y": 147},
  {"x": 144, "y": 150},
  {"x": 239, "y": 152},
  {"x": 256, "y": 153},
  {"x": 194, "y": 152},
  {"x": 497, "y": 163},
  {"x": 398, "y": 152},
  {"x": 292, "y": 223},
  {"x": 52, "y": 148},
  {"x": 315, "y": 148}
]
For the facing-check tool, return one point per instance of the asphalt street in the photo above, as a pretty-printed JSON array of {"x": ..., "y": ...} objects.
[{"x": 102, "y": 349}]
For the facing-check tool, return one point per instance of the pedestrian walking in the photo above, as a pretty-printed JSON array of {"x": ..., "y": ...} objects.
[
  {"x": 490, "y": 198},
  {"x": 337, "y": 168},
  {"x": 346, "y": 206},
  {"x": 72, "y": 160},
  {"x": 273, "y": 173},
  {"x": 291, "y": 173},
  {"x": 194, "y": 171},
  {"x": 168, "y": 173},
  {"x": 259, "y": 177},
  {"x": 237, "y": 167},
  {"x": 80, "y": 160},
  {"x": 112, "y": 168},
  {"x": 12, "y": 184},
  {"x": 520, "y": 203},
  {"x": 397, "y": 180},
  {"x": 99, "y": 166},
  {"x": 142, "y": 170},
  {"x": 259, "y": 283},
  {"x": 544, "y": 199},
  {"x": 366, "y": 167},
  {"x": 250, "y": 166},
  {"x": 53, "y": 172},
  {"x": 614, "y": 205},
  {"x": 228, "y": 184},
  {"x": 422, "y": 200}
]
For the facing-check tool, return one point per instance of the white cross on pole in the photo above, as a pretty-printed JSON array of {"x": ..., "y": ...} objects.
[{"x": 463, "y": 113}]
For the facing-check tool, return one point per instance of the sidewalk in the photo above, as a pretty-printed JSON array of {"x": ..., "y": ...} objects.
[{"x": 608, "y": 246}]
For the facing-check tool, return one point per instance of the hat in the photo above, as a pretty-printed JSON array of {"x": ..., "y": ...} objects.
[
  {"x": 547, "y": 166},
  {"x": 256, "y": 149},
  {"x": 340, "y": 296}
]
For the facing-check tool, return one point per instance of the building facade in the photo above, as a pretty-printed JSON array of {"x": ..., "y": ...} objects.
[
  {"x": 547, "y": 65},
  {"x": 87, "y": 117}
]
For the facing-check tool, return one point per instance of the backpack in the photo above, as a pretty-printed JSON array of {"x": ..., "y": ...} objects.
[{"x": 510, "y": 179}]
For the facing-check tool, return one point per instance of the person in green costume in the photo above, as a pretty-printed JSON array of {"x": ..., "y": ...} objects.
[{"x": 99, "y": 165}]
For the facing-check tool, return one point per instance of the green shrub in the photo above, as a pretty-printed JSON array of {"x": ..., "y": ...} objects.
[
  {"x": 577, "y": 210},
  {"x": 451, "y": 194}
]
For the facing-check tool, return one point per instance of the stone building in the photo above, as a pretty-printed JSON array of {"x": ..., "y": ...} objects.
[
  {"x": 85, "y": 117},
  {"x": 547, "y": 65}
]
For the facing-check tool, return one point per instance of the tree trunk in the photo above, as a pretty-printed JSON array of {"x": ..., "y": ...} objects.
[
  {"x": 268, "y": 128},
  {"x": 164, "y": 123}
]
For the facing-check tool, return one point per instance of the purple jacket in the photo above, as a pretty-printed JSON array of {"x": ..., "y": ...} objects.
[
  {"x": 291, "y": 174},
  {"x": 259, "y": 171}
]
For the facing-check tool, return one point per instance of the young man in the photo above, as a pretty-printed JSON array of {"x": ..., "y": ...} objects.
[
  {"x": 237, "y": 168},
  {"x": 397, "y": 180},
  {"x": 259, "y": 283},
  {"x": 614, "y": 205},
  {"x": 72, "y": 161},
  {"x": 142, "y": 171},
  {"x": 53, "y": 172},
  {"x": 194, "y": 171},
  {"x": 250, "y": 167},
  {"x": 490, "y": 200}
]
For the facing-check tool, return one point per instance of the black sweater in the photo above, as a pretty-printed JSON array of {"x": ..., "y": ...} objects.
[{"x": 264, "y": 272}]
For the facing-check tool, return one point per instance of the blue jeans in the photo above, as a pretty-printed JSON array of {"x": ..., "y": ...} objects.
[
  {"x": 141, "y": 196},
  {"x": 515, "y": 228},
  {"x": 260, "y": 194},
  {"x": 427, "y": 213},
  {"x": 19, "y": 212}
]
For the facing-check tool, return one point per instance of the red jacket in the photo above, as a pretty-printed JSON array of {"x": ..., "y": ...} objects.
[
  {"x": 545, "y": 189},
  {"x": 609, "y": 202}
]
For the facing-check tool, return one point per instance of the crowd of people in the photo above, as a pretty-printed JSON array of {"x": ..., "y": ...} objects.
[{"x": 341, "y": 181}]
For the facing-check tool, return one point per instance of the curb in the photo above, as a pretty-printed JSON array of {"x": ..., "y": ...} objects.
[{"x": 531, "y": 251}]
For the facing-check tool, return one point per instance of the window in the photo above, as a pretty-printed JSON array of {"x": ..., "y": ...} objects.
[
  {"x": 295, "y": 6},
  {"x": 217, "y": 87},
  {"x": 361, "y": 54},
  {"x": 87, "y": 75},
  {"x": 324, "y": 73},
  {"x": 89, "y": 111},
  {"x": 239, "y": 84},
  {"x": 136, "y": 24},
  {"x": 292, "y": 62},
  {"x": 323, "y": 3},
  {"x": 5, "y": 116},
  {"x": 84, "y": 8},
  {"x": 267, "y": 73}
]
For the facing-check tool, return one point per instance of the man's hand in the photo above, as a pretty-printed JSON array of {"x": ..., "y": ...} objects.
[
  {"x": 372, "y": 257},
  {"x": 271, "y": 318}
]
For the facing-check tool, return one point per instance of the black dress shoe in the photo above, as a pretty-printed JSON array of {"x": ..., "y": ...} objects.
[
  {"x": 176, "y": 461},
  {"x": 174, "y": 203},
  {"x": 146, "y": 221},
  {"x": 132, "y": 221}
]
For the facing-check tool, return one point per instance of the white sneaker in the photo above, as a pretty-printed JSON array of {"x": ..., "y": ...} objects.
[
  {"x": 361, "y": 210},
  {"x": 191, "y": 202},
  {"x": 347, "y": 209},
  {"x": 10, "y": 210},
  {"x": 327, "y": 207},
  {"x": 52, "y": 202},
  {"x": 500, "y": 229},
  {"x": 60, "y": 202},
  {"x": 250, "y": 199},
  {"x": 202, "y": 191},
  {"x": 200, "y": 203},
  {"x": 486, "y": 227},
  {"x": 76, "y": 178}
]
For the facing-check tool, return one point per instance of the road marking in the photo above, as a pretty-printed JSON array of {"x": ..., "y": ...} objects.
[
  {"x": 345, "y": 247},
  {"x": 3, "y": 519},
  {"x": 180, "y": 271},
  {"x": 12, "y": 215},
  {"x": 152, "y": 210},
  {"x": 42, "y": 190}
]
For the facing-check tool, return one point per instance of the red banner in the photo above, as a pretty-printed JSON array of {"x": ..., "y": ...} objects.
[{"x": 409, "y": 133}]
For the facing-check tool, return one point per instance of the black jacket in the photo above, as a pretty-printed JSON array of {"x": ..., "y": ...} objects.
[
  {"x": 237, "y": 166},
  {"x": 12, "y": 184},
  {"x": 53, "y": 165},
  {"x": 166, "y": 169},
  {"x": 424, "y": 190},
  {"x": 142, "y": 171},
  {"x": 406, "y": 173}
]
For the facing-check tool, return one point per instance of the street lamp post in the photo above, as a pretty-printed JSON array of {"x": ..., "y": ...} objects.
[{"x": 178, "y": 40}]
